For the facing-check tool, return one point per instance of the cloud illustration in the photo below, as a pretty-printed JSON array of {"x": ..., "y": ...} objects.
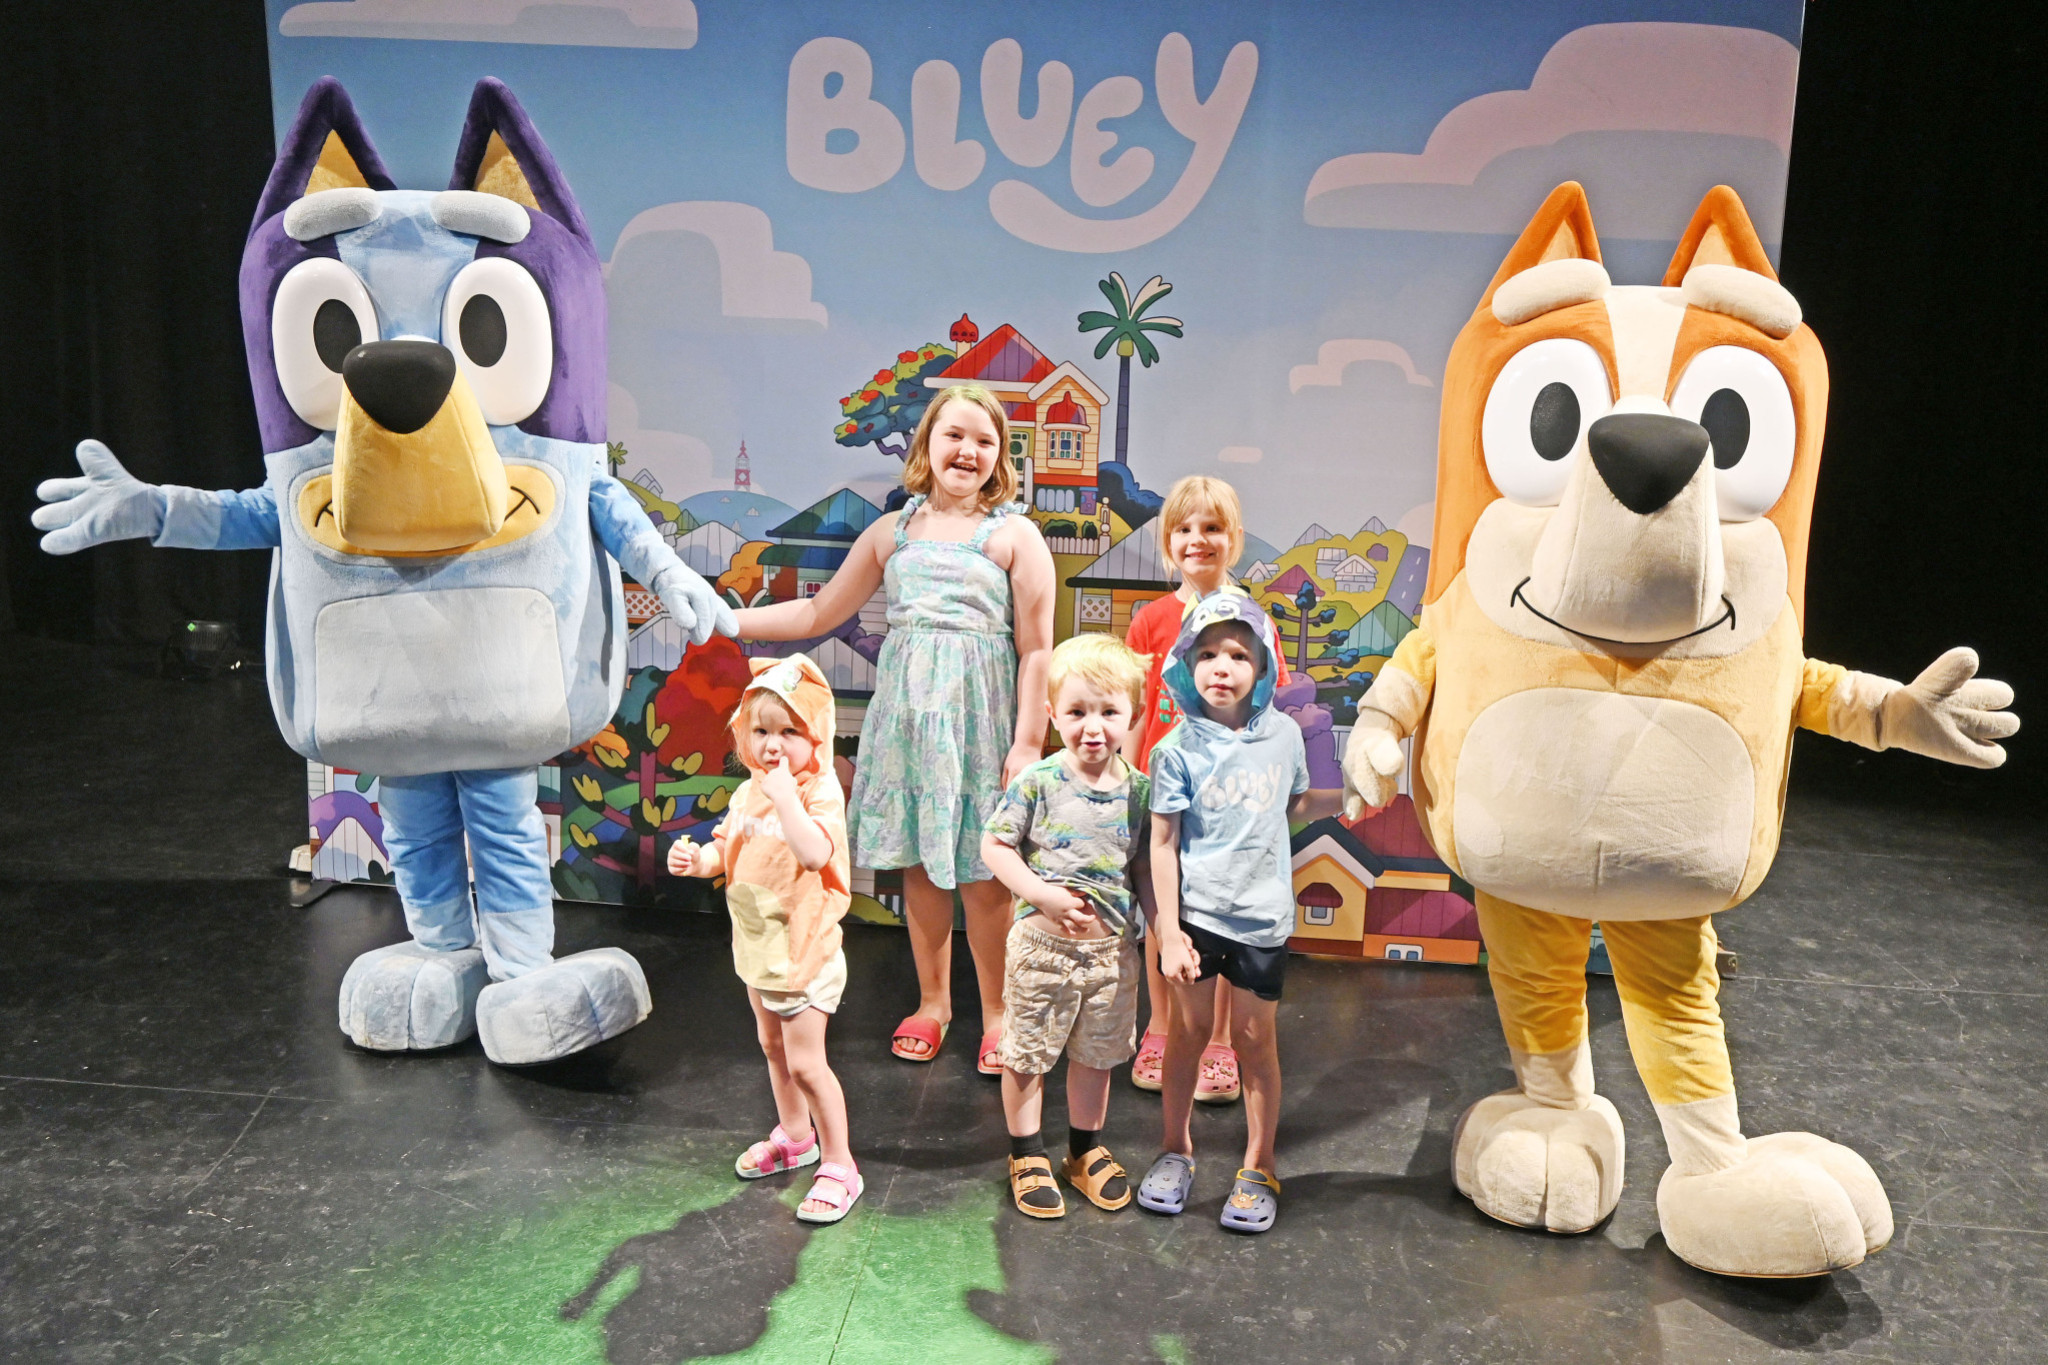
[
  {"x": 583, "y": 23},
  {"x": 682, "y": 464},
  {"x": 1648, "y": 115},
  {"x": 1333, "y": 357},
  {"x": 754, "y": 279}
]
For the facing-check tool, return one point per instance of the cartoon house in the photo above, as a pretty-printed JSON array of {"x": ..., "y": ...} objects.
[
  {"x": 1374, "y": 888},
  {"x": 709, "y": 549},
  {"x": 1055, "y": 416},
  {"x": 1356, "y": 574},
  {"x": 814, "y": 543},
  {"x": 1117, "y": 583}
]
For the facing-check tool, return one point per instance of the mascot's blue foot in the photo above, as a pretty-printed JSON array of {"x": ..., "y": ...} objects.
[
  {"x": 406, "y": 998},
  {"x": 570, "y": 1004}
]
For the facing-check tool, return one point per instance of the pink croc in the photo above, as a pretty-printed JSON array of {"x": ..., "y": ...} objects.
[
  {"x": 778, "y": 1153},
  {"x": 1219, "y": 1082},
  {"x": 1148, "y": 1068},
  {"x": 837, "y": 1186}
]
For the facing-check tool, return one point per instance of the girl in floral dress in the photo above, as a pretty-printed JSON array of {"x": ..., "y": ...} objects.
[{"x": 956, "y": 712}]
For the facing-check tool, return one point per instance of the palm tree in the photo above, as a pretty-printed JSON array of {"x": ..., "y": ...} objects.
[{"x": 1126, "y": 331}]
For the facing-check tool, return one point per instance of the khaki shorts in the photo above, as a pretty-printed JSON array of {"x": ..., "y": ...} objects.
[
  {"x": 1073, "y": 995},
  {"x": 822, "y": 994}
]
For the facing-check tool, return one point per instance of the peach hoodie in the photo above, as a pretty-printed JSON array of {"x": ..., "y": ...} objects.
[{"x": 785, "y": 920}]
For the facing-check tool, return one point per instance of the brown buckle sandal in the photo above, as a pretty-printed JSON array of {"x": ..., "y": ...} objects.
[
  {"x": 1091, "y": 1172},
  {"x": 1029, "y": 1174}
]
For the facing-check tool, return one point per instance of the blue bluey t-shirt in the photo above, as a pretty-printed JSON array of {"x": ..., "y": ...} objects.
[{"x": 1232, "y": 789}]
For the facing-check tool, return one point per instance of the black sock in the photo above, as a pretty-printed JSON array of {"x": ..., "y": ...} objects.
[
  {"x": 1080, "y": 1142},
  {"x": 1033, "y": 1144}
]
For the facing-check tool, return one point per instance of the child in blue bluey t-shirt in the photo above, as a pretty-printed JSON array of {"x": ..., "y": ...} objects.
[{"x": 1221, "y": 872}]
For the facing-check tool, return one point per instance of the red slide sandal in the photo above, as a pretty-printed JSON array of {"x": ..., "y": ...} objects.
[{"x": 918, "y": 1029}]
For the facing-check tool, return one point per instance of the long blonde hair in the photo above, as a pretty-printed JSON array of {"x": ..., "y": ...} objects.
[{"x": 1001, "y": 487}]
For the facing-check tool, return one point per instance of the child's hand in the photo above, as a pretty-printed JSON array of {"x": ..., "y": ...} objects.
[
  {"x": 776, "y": 783},
  {"x": 683, "y": 857},
  {"x": 1020, "y": 757},
  {"x": 1075, "y": 920},
  {"x": 1068, "y": 912},
  {"x": 1177, "y": 961}
]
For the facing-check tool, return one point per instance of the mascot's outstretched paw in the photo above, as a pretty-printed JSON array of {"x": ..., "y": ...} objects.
[
  {"x": 1537, "y": 1167},
  {"x": 406, "y": 998},
  {"x": 571, "y": 1004},
  {"x": 1795, "y": 1205}
]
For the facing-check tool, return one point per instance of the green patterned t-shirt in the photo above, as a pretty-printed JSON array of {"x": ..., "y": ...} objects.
[{"x": 1076, "y": 836}]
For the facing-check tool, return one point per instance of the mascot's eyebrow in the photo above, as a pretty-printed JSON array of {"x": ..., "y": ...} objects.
[
  {"x": 1756, "y": 299},
  {"x": 482, "y": 215},
  {"x": 326, "y": 212},
  {"x": 1547, "y": 287}
]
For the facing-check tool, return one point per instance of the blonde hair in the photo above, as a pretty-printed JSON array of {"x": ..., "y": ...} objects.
[
  {"x": 1001, "y": 487},
  {"x": 749, "y": 709},
  {"x": 1101, "y": 660},
  {"x": 1200, "y": 493}
]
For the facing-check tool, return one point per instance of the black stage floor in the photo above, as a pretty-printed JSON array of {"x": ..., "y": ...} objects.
[{"x": 197, "y": 1168}]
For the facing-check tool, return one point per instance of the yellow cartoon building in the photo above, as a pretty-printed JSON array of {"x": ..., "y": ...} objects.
[{"x": 1055, "y": 414}]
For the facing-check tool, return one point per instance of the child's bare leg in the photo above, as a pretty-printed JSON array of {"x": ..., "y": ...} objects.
[
  {"x": 987, "y": 908},
  {"x": 1220, "y": 1035},
  {"x": 1193, "y": 1015},
  {"x": 928, "y": 916},
  {"x": 1023, "y": 1102},
  {"x": 1254, "y": 1035},
  {"x": 1087, "y": 1097},
  {"x": 792, "y": 1110},
  {"x": 1158, "y": 998},
  {"x": 803, "y": 1044}
]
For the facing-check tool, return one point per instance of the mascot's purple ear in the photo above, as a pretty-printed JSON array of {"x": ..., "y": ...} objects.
[
  {"x": 501, "y": 153},
  {"x": 326, "y": 148}
]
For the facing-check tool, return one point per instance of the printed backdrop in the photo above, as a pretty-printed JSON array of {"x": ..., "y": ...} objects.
[{"x": 1234, "y": 239}]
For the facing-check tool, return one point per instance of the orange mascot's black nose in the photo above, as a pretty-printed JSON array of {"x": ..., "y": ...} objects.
[{"x": 1643, "y": 457}]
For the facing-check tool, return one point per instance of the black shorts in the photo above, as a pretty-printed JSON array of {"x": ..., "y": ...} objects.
[{"x": 1258, "y": 970}]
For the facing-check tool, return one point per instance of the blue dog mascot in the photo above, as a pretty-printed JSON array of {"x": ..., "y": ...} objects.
[{"x": 445, "y": 610}]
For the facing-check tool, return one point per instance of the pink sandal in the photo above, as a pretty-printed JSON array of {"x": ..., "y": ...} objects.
[
  {"x": 1148, "y": 1068},
  {"x": 1219, "y": 1082},
  {"x": 845, "y": 1187},
  {"x": 779, "y": 1153},
  {"x": 989, "y": 1062}
]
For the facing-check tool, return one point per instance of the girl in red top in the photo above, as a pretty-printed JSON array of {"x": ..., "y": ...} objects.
[{"x": 1201, "y": 534}]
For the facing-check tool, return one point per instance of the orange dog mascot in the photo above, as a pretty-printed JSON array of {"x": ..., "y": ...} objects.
[{"x": 1602, "y": 693}]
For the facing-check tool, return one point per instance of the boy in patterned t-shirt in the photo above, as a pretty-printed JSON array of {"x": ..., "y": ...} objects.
[{"x": 1069, "y": 840}]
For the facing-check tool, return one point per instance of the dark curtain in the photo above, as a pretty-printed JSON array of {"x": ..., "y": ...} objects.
[
  {"x": 1913, "y": 240},
  {"x": 135, "y": 139}
]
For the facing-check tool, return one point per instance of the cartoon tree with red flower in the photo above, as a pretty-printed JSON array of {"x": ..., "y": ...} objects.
[{"x": 885, "y": 411}]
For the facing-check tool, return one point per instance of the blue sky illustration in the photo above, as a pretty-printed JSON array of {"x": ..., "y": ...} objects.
[{"x": 1260, "y": 287}]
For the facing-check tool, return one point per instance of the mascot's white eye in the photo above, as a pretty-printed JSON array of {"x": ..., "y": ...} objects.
[
  {"x": 495, "y": 319},
  {"x": 1537, "y": 413},
  {"x": 320, "y": 314},
  {"x": 1741, "y": 399}
]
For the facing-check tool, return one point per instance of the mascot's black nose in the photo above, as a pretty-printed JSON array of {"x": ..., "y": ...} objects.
[
  {"x": 401, "y": 384},
  {"x": 1643, "y": 457}
]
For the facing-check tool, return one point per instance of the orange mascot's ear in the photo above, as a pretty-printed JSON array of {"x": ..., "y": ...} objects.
[
  {"x": 1561, "y": 230},
  {"x": 1720, "y": 234}
]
